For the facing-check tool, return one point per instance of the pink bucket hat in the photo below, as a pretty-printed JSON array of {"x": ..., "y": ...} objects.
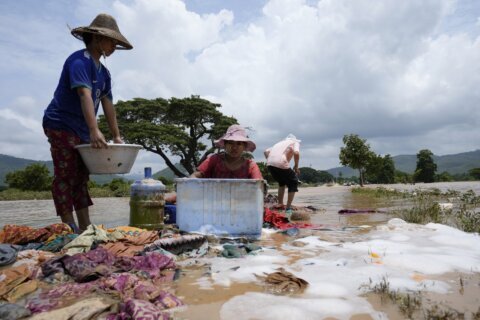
[{"x": 236, "y": 133}]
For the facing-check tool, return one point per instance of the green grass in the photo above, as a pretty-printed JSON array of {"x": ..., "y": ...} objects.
[
  {"x": 408, "y": 303},
  {"x": 15, "y": 194},
  {"x": 423, "y": 206}
]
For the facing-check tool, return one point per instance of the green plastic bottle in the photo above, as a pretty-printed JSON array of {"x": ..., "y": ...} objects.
[{"x": 147, "y": 203}]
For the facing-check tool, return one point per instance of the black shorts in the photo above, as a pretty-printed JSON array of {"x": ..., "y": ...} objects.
[{"x": 285, "y": 177}]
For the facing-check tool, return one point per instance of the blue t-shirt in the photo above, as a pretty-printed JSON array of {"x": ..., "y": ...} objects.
[{"x": 65, "y": 111}]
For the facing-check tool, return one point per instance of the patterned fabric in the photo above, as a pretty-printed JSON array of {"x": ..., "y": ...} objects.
[
  {"x": 120, "y": 249},
  {"x": 16, "y": 234},
  {"x": 21, "y": 290},
  {"x": 84, "y": 242},
  {"x": 134, "y": 309},
  {"x": 214, "y": 167},
  {"x": 13, "y": 277},
  {"x": 58, "y": 243},
  {"x": 59, "y": 296},
  {"x": 32, "y": 259},
  {"x": 84, "y": 267},
  {"x": 86, "y": 309},
  {"x": 123, "y": 285},
  {"x": 13, "y": 311},
  {"x": 8, "y": 254},
  {"x": 69, "y": 187}
]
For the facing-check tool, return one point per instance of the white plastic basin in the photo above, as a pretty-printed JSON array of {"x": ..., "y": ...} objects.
[{"x": 116, "y": 158}]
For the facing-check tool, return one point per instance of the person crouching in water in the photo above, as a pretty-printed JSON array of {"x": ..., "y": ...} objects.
[
  {"x": 70, "y": 118},
  {"x": 278, "y": 164},
  {"x": 230, "y": 164}
]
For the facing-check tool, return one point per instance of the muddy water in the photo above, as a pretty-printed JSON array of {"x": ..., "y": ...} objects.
[{"x": 206, "y": 304}]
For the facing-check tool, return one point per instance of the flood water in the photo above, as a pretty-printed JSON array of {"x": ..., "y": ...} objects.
[
  {"x": 206, "y": 304},
  {"x": 115, "y": 211}
]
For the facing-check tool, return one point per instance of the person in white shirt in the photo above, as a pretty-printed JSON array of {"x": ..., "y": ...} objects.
[{"x": 278, "y": 163}]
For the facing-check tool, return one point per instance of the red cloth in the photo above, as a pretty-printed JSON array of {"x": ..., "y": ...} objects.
[
  {"x": 214, "y": 167},
  {"x": 280, "y": 221}
]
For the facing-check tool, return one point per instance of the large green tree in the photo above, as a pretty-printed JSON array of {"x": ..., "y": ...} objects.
[
  {"x": 183, "y": 128},
  {"x": 380, "y": 169},
  {"x": 34, "y": 177},
  {"x": 356, "y": 154},
  {"x": 426, "y": 167},
  {"x": 475, "y": 173},
  {"x": 310, "y": 175}
]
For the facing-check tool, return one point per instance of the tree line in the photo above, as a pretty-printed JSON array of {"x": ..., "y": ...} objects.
[
  {"x": 374, "y": 168},
  {"x": 186, "y": 129}
]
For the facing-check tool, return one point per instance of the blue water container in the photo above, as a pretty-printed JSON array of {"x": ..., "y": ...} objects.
[
  {"x": 147, "y": 203},
  {"x": 170, "y": 214}
]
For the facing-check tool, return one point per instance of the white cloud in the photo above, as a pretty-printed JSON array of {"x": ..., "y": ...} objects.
[{"x": 391, "y": 71}]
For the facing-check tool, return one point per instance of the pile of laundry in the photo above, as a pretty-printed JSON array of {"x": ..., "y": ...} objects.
[{"x": 115, "y": 274}]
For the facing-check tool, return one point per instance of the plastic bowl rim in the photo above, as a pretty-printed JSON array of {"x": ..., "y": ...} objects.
[{"x": 124, "y": 145}]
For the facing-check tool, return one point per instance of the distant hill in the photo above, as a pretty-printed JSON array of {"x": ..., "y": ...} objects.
[
  {"x": 451, "y": 163},
  {"x": 168, "y": 173},
  {"x": 10, "y": 164},
  {"x": 346, "y": 172}
]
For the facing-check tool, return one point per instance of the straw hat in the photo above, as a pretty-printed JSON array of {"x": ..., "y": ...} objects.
[
  {"x": 104, "y": 25},
  {"x": 236, "y": 133}
]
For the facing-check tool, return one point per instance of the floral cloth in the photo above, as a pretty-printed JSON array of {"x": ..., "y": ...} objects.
[
  {"x": 16, "y": 234},
  {"x": 69, "y": 187}
]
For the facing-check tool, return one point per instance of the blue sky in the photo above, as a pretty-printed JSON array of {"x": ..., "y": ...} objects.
[{"x": 402, "y": 74}]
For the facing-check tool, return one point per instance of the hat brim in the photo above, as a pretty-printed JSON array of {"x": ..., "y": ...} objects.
[
  {"x": 122, "y": 42},
  {"x": 250, "y": 147}
]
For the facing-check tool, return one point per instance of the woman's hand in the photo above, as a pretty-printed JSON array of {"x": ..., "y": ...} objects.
[
  {"x": 97, "y": 140},
  {"x": 117, "y": 140}
]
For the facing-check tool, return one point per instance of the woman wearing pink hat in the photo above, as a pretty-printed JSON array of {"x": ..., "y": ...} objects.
[{"x": 230, "y": 164}]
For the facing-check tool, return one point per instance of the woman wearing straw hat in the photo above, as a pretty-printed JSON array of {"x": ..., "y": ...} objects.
[
  {"x": 70, "y": 118},
  {"x": 231, "y": 164}
]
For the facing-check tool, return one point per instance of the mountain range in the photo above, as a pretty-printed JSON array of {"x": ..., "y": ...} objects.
[{"x": 452, "y": 163}]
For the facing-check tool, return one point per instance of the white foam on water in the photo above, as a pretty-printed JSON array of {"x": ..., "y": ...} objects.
[
  {"x": 266, "y": 306},
  {"x": 406, "y": 256}
]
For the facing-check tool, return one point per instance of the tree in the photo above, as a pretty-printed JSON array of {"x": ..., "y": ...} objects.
[
  {"x": 380, "y": 169},
  {"x": 475, "y": 173},
  {"x": 34, "y": 177},
  {"x": 444, "y": 177},
  {"x": 324, "y": 176},
  {"x": 355, "y": 154},
  {"x": 265, "y": 172},
  {"x": 403, "y": 177},
  {"x": 310, "y": 175},
  {"x": 172, "y": 128},
  {"x": 119, "y": 186},
  {"x": 426, "y": 167}
]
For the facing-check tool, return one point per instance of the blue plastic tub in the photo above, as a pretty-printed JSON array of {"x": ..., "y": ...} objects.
[{"x": 170, "y": 214}]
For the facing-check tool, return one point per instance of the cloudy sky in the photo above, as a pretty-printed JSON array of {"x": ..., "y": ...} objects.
[{"x": 405, "y": 75}]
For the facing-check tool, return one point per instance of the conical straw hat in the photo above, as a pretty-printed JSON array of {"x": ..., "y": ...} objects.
[{"x": 104, "y": 25}]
